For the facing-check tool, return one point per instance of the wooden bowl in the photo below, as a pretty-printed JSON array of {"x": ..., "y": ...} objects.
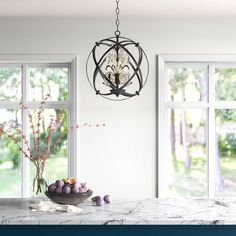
[{"x": 69, "y": 198}]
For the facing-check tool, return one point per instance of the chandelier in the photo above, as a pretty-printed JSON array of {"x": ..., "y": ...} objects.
[{"x": 117, "y": 67}]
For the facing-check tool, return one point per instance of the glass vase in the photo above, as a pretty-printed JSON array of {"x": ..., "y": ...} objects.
[{"x": 40, "y": 180}]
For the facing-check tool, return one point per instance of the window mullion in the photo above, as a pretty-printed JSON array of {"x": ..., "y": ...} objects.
[
  {"x": 48, "y": 105},
  {"x": 25, "y": 172},
  {"x": 9, "y": 105},
  {"x": 186, "y": 105},
  {"x": 73, "y": 162},
  {"x": 162, "y": 186},
  {"x": 211, "y": 135}
]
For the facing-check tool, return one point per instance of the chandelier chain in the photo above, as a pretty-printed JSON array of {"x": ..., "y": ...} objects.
[{"x": 117, "y": 32}]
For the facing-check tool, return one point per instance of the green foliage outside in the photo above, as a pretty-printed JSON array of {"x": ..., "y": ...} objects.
[
  {"x": 225, "y": 91},
  {"x": 193, "y": 181},
  {"x": 42, "y": 82},
  {"x": 187, "y": 184},
  {"x": 40, "y": 78}
]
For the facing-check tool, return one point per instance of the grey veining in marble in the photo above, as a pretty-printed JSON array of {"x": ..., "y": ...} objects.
[{"x": 145, "y": 211}]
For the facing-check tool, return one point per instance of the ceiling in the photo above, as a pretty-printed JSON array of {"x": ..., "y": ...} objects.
[{"x": 175, "y": 8}]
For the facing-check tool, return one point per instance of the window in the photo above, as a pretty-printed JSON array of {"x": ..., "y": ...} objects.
[
  {"x": 196, "y": 126},
  {"x": 28, "y": 79}
]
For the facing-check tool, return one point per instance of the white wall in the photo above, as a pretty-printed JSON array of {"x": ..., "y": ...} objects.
[{"x": 121, "y": 158}]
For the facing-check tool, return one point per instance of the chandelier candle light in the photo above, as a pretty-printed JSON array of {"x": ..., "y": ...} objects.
[{"x": 121, "y": 66}]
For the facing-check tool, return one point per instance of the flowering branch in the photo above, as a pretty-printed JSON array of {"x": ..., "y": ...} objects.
[{"x": 36, "y": 153}]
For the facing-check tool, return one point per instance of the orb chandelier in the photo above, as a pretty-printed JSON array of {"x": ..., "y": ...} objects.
[{"x": 117, "y": 67}]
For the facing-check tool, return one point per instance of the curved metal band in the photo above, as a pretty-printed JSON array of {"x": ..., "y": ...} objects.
[{"x": 135, "y": 64}]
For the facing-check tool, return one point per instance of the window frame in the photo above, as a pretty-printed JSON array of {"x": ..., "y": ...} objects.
[
  {"x": 210, "y": 62},
  {"x": 60, "y": 60}
]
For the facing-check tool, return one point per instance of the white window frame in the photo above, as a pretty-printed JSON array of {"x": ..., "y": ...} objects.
[
  {"x": 23, "y": 61},
  {"x": 210, "y": 61}
]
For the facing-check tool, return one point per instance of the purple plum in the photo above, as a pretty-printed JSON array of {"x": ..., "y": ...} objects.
[
  {"x": 99, "y": 201},
  {"x": 107, "y": 199},
  {"x": 83, "y": 188},
  {"x": 94, "y": 198},
  {"x": 75, "y": 190},
  {"x": 58, "y": 190},
  {"x": 52, "y": 188},
  {"x": 59, "y": 183},
  {"x": 77, "y": 185},
  {"x": 66, "y": 189}
]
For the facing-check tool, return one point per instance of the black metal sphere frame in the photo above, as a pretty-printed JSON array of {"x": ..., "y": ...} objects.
[{"x": 113, "y": 43}]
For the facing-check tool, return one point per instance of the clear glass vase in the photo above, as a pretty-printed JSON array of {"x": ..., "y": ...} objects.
[{"x": 40, "y": 180}]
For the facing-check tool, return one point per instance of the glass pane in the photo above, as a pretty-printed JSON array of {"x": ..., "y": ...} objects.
[
  {"x": 225, "y": 84},
  {"x": 225, "y": 152},
  {"x": 10, "y": 84},
  {"x": 187, "y": 176},
  {"x": 10, "y": 156},
  {"x": 187, "y": 84},
  {"x": 53, "y": 81},
  {"x": 56, "y": 164}
]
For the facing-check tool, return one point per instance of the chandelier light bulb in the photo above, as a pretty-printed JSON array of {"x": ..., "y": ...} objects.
[{"x": 117, "y": 67}]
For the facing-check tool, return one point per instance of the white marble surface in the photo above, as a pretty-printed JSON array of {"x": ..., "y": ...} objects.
[{"x": 144, "y": 211}]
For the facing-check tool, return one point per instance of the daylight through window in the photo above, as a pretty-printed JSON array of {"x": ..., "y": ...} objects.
[
  {"x": 197, "y": 129},
  {"x": 29, "y": 83}
]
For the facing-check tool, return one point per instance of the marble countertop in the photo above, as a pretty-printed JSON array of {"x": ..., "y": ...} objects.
[{"x": 144, "y": 211}]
